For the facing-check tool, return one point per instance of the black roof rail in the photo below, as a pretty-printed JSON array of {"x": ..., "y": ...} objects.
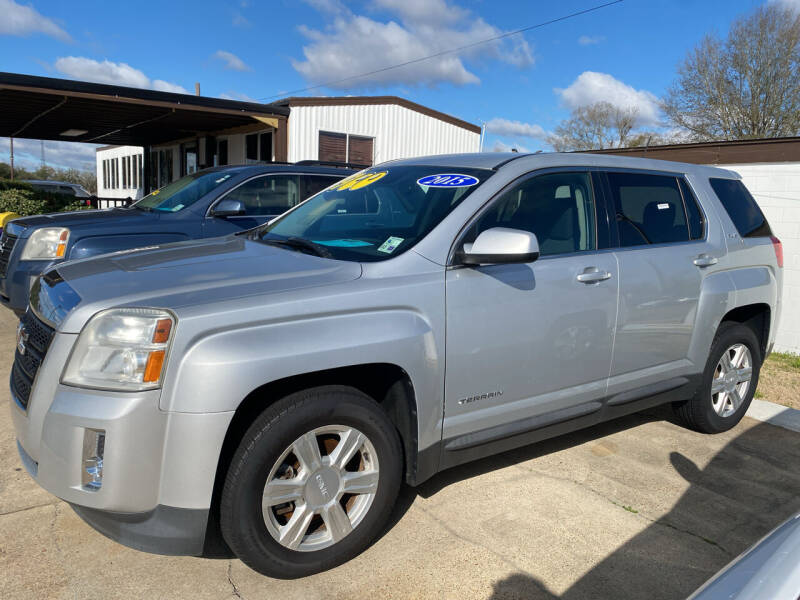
[{"x": 330, "y": 163}]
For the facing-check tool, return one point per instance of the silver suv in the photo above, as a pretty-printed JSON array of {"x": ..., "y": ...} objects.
[{"x": 271, "y": 390}]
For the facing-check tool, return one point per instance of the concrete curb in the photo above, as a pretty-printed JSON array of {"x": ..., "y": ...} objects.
[{"x": 775, "y": 414}]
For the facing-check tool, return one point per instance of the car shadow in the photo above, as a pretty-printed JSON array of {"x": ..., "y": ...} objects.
[{"x": 748, "y": 488}]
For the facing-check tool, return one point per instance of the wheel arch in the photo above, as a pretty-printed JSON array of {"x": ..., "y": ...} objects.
[
  {"x": 388, "y": 384},
  {"x": 755, "y": 316}
]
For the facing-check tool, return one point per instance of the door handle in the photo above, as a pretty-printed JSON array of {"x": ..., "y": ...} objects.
[
  {"x": 705, "y": 260},
  {"x": 593, "y": 275}
]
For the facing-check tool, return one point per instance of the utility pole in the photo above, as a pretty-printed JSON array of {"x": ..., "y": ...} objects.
[
  {"x": 12, "y": 157},
  {"x": 43, "y": 162}
]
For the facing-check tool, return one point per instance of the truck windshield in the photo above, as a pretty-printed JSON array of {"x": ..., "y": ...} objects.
[
  {"x": 186, "y": 191},
  {"x": 375, "y": 214}
]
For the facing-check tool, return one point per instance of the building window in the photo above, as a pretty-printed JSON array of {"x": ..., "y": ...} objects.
[
  {"x": 258, "y": 147},
  {"x": 124, "y": 172},
  {"x": 344, "y": 148},
  {"x": 359, "y": 150},
  {"x": 105, "y": 174}
]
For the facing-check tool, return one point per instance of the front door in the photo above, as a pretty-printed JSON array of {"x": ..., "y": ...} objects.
[
  {"x": 533, "y": 341},
  {"x": 263, "y": 197}
]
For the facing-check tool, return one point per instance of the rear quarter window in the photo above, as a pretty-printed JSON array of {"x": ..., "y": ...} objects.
[{"x": 741, "y": 207}]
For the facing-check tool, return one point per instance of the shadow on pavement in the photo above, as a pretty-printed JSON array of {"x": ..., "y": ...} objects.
[{"x": 748, "y": 488}]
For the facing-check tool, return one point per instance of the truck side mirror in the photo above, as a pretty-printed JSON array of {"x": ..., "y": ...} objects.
[{"x": 228, "y": 208}]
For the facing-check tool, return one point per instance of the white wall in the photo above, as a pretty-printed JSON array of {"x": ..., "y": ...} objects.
[
  {"x": 776, "y": 187},
  {"x": 120, "y": 192},
  {"x": 399, "y": 132}
]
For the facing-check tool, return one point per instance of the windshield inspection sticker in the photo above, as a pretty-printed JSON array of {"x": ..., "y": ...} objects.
[
  {"x": 390, "y": 245},
  {"x": 360, "y": 180},
  {"x": 446, "y": 180},
  {"x": 663, "y": 206}
]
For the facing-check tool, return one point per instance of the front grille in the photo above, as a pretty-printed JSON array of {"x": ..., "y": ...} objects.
[
  {"x": 27, "y": 363},
  {"x": 7, "y": 243}
]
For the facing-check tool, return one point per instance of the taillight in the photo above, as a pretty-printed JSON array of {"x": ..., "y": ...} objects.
[{"x": 776, "y": 244}]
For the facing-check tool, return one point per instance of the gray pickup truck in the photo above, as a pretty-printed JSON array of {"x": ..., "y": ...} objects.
[{"x": 275, "y": 387}]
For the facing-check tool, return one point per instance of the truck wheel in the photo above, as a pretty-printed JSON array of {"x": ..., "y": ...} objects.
[
  {"x": 312, "y": 483},
  {"x": 729, "y": 381}
]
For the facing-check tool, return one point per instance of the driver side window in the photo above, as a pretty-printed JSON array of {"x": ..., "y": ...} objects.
[
  {"x": 557, "y": 207},
  {"x": 268, "y": 195}
]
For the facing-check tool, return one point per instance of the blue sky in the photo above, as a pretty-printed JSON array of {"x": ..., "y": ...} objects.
[{"x": 521, "y": 87}]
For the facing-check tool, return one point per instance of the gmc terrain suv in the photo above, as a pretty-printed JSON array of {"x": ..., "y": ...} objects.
[{"x": 276, "y": 386}]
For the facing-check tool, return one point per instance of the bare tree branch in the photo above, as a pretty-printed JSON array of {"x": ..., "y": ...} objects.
[{"x": 745, "y": 86}]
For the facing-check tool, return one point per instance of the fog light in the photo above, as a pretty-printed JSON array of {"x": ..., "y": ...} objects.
[{"x": 94, "y": 445}]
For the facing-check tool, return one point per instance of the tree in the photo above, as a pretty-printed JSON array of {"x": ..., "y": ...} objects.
[
  {"x": 87, "y": 179},
  {"x": 592, "y": 127},
  {"x": 745, "y": 86}
]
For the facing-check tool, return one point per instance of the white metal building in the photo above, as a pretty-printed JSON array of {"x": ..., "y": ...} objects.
[
  {"x": 373, "y": 129},
  {"x": 361, "y": 130},
  {"x": 119, "y": 172}
]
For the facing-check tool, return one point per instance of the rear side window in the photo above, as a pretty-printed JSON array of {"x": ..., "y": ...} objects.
[
  {"x": 741, "y": 207},
  {"x": 649, "y": 209}
]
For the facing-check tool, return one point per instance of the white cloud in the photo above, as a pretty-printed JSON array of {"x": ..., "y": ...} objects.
[
  {"x": 353, "y": 44},
  {"x": 61, "y": 155},
  {"x": 506, "y": 128},
  {"x": 500, "y": 146},
  {"x": 237, "y": 96},
  {"x": 25, "y": 20},
  {"x": 232, "y": 62},
  {"x": 591, "y": 87},
  {"x": 588, "y": 40},
  {"x": 792, "y": 4},
  {"x": 87, "y": 69},
  {"x": 239, "y": 20}
]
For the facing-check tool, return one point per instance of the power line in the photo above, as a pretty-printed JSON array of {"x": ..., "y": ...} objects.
[{"x": 450, "y": 51}]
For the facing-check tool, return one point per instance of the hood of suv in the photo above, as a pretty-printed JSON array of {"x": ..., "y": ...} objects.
[
  {"x": 194, "y": 272},
  {"x": 84, "y": 218}
]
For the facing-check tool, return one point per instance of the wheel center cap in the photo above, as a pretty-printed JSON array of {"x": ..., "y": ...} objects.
[{"x": 322, "y": 486}]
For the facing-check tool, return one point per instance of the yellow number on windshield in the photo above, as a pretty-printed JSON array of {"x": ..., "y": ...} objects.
[{"x": 360, "y": 180}]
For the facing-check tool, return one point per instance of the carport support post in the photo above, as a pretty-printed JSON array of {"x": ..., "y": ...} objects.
[{"x": 145, "y": 170}]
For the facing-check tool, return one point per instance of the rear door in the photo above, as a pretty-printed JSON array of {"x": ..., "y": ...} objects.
[
  {"x": 530, "y": 344},
  {"x": 663, "y": 253}
]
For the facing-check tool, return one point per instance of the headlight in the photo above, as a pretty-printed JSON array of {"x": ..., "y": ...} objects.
[
  {"x": 121, "y": 349},
  {"x": 48, "y": 242}
]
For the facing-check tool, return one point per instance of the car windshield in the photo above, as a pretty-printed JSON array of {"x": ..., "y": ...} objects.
[
  {"x": 375, "y": 214},
  {"x": 184, "y": 192}
]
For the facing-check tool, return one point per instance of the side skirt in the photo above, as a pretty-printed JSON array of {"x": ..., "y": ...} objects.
[{"x": 479, "y": 444}]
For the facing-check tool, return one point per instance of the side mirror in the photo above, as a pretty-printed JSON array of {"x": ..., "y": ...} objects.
[
  {"x": 500, "y": 245},
  {"x": 228, "y": 208}
]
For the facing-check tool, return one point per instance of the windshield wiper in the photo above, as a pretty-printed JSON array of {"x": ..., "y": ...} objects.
[{"x": 299, "y": 243}]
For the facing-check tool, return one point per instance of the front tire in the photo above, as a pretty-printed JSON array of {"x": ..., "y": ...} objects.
[
  {"x": 312, "y": 483},
  {"x": 729, "y": 381}
]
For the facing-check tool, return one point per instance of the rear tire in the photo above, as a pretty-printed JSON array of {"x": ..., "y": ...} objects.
[
  {"x": 729, "y": 381},
  {"x": 312, "y": 483}
]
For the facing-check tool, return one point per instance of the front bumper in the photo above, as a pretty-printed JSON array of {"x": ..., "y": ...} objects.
[{"x": 158, "y": 468}]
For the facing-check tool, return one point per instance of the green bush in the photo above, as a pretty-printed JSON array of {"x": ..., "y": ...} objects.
[
  {"x": 23, "y": 202},
  {"x": 8, "y": 184},
  {"x": 22, "y": 198}
]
